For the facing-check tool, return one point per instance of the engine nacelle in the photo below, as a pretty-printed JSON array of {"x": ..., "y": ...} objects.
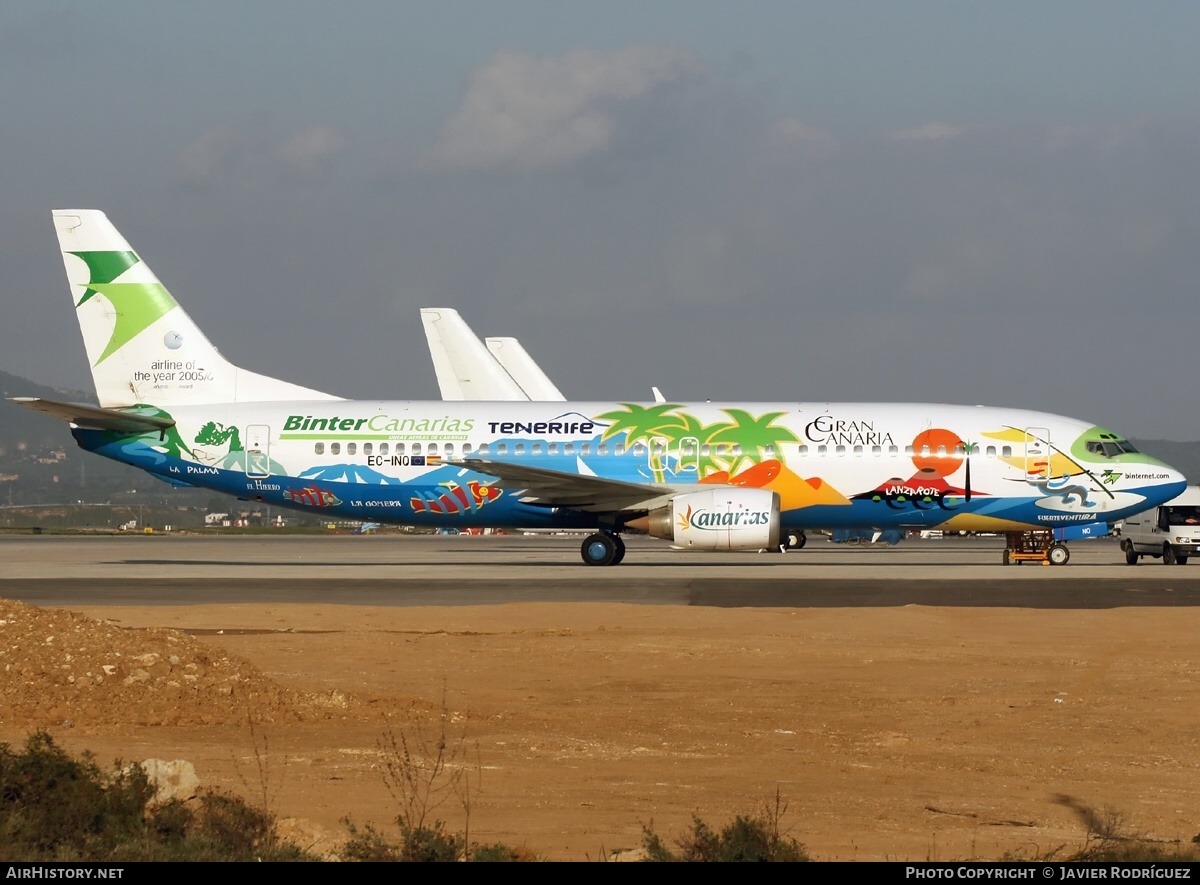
[{"x": 718, "y": 519}]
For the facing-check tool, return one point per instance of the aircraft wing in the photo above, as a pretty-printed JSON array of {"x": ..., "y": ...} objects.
[
  {"x": 573, "y": 491},
  {"x": 94, "y": 417}
]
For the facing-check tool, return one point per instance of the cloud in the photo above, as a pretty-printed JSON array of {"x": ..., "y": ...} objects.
[
  {"x": 224, "y": 153},
  {"x": 928, "y": 132},
  {"x": 527, "y": 113},
  {"x": 216, "y": 154},
  {"x": 310, "y": 152}
]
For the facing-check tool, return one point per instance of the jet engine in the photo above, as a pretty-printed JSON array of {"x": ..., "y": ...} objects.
[{"x": 716, "y": 519}]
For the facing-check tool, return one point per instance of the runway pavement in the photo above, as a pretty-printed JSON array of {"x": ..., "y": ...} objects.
[{"x": 401, "y": 570}]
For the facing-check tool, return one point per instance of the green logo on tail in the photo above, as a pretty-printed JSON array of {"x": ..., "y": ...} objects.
[{"x": 136, "y": 305}]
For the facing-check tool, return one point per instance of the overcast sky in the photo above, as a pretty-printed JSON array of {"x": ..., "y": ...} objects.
[{"x": 923, "y": 201}]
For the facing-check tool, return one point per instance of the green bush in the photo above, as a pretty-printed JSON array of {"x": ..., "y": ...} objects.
[
  {"x": 748, "y": 839},
  {"x": 54, "y": 807}
]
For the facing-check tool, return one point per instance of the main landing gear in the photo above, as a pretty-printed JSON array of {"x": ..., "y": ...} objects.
[
  {"x": 602, "y": 549},
  {"x": 789, "y": 539}
]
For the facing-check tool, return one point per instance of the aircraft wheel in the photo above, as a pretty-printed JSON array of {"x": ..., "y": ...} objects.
[
  {"x": 599, "y": 549},
  {"x": 620, "y": 549},
  {"x": 1059, "y": 555},
  {"x": 1169, "y": 557},
  {"x": 1181, "y": 560},
  {"x": 1131, "y": 557},
  {"x": 796, "y": 540},
  {"x": 1007, "y": 556}
]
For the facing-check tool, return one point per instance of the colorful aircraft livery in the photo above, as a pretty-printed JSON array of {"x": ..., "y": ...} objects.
[{"x": 710, "y": 476}]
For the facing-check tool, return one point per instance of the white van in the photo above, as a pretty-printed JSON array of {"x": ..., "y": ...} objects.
[{"x": 1171, "y": 531}]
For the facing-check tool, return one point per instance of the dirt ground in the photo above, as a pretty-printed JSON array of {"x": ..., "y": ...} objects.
[{"x": 890, "y": 733}]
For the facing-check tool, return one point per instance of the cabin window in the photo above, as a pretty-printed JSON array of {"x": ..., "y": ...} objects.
[
  {"x": 941, "y": 450},
  {"x": 584, "y": 449},
  {"x": 841, "y": 450},
  {"x": 706, "y": 450},
  {"x": 960, "y": 449},
  {"x": 351, "y": 448},
  {"x": 1006, "y": 452},
  {"x": 991, "y": 451},
  {"x": 416, "y": 448},
  {"x": 568, "y": 448},
  {"x": 639, "y": 450},
  {"x": 383, "y": 448},
  {"x": 925, "y": 451},
  {"x": 737, "y": 449},
  {"x": 876, "y": 451},
  {"x": 519, "y": 449},
  {"x": 620, "y": 449},
  {"x": 483, "y": 449},
  {"x": 368, "y": 448},
  {"x": 448, "y": 449},
  {"x": 858, "y": 450},
  {"x": 602, "y": 449},
  {"x": 335, "y": 448},
  {"x": 319, "y": 448},
  {"x": 893, "y": 450},
  {"x": 803, "y": 450},
  {"x": 688, "y": 450},
  {"x": 399, "y": 448},
  {"x": 431, "y": 449},
  {"x": 537, "y": 448},
  {"x": 552, "y": 449},
  {"x": 822, "y": 449},
  {"x": 466, "y": 448},
  {"x": 501, "y": 448},
  {"x": 769, "y": 451}
]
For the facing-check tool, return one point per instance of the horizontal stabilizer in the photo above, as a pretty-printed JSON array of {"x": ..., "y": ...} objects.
[{"x": 95, "y": 418}]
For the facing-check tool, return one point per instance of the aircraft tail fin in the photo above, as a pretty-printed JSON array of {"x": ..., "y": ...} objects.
[
  {"x": 524, "y": 370},
  {"x": 142, "y": 346},
  {"x": 465, "y": 368}
]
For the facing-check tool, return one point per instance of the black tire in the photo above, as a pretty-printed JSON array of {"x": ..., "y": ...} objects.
[
  {"x": 1182, "y": 560},
  {"x": 796, "y": 540},
  {"x": 1131, "y": 557},
  {"x": 1169, "y": 557},
  {"x": 1058, "y": 555},
  {"x": 1007, "y": 556},
  {"x": 620, "y": 550},
  {"x": 599, "y": 549}
]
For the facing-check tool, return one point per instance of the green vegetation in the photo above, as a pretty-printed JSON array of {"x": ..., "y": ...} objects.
[
  {"x": 426, "y": 769},
  {"x": 749, "y": 839},
  {"x": 57, "y": 808}
]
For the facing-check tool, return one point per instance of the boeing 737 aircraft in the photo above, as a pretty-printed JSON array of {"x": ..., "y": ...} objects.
[{"x": 706, "y": 476}]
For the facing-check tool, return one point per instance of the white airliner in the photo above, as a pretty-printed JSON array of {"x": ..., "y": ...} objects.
[
  {"x": 460, "y": 361},
  {"x": 706, "y": 476}
]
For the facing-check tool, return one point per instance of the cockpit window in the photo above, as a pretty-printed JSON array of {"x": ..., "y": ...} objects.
[{"x": 1111, "y": 447}]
